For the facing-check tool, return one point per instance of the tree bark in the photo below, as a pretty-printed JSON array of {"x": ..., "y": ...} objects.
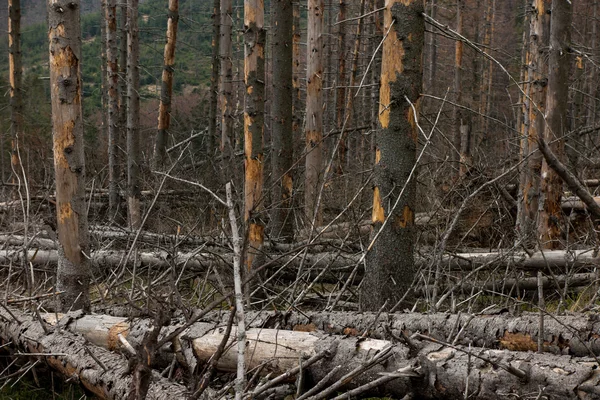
[
  {"x": 549, "y": 223},
  {"x": 282, "y": 130},
  {"x": 70, "y": 358},
  {"x": 226, "y": 85},
  {"x": 314, "y": 111},
  {"x": 214, "y": 81},
  {"x": 387, "y": 276},
  {"x": 112, "y": 70},
  {"x": 73, "y": 273},
  {"x": 537, "y": 72},
  {"x": 166, "y": 88},
  {"x": 133, "y": 116},
  {"x": 435, "y": 371},
  {"x": 254, "y": 121},
  {"x": 15, "y": 67},
  {"x": 461, "y": 167}
]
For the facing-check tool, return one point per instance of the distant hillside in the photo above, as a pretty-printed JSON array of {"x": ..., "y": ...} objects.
[{"x": 192, "y": 55}]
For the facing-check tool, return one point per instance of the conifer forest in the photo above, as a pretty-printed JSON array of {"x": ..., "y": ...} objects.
[{"x": 300, "y": 199}]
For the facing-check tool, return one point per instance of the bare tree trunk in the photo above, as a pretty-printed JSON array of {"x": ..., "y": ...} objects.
[
  {"x": 485, "y": 87},
  {"x": 456, "y": 153},
  {"x": 133, "y": 116},
  {"x": 282, "y": 131},
  {"x": 432, "y": 44},
  {"x": 314, "y": 110},
  {"x": 112, "y": 70},
  {"x": 254, "y": 73},
  {"x": 226, "y": 95},
  {"x": 73, "y": 273},
  {"x": 388, "y": 277},
  {"x": 340, "y": 83},
  {"x": 15, "y": 78},
  {"x": 549, "y": 227},
  {"x": 537, "y": 74},
  {"x": 166, "y": 89},
  {"x": 214, "y": 81}
]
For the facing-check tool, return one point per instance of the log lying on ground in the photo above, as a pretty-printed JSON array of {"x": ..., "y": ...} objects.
[
  {"x": 425, "y": 371},
  {"x": 67, "y": 354},
  {"x": 463, "y": 261},
  {"x": 571, "y": 334}
]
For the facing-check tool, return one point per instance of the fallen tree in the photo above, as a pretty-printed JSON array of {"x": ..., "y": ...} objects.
[
  {"x": 100, "y": 371},
  {"x": 420, "y": 368}
]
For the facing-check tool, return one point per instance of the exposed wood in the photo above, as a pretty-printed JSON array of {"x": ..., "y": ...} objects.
[
  {"x": 394, "y": 195},
  {"x": 436, "y": 371},
  {"x": 166, "y": 88},
  {"x": 549, "y": 228},
  {"x": 64, "y": 34},
  {"x": 29, "y": 337}
]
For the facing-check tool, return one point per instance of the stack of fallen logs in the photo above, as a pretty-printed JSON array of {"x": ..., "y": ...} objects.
[{"x": 326, "y": 355}]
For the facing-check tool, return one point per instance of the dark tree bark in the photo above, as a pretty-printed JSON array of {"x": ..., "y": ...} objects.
[
  {"x": 314, "y": 110},
  {"x": 282, "y": 130},
  {"x": 254, "y": 73},
  {"x": 457, "y": 154},
  {"x": 133, "y": 116},
  {"x": 226, "y": 86},
  {"x": 549, "y": 223},
  {"x": 112, "y": 69},
  {"x": 388, "y": 276},
  {"x": 214, "y": 80},
  {"x": 73, "y": 273},
  {"x": 166, "y": 88}
]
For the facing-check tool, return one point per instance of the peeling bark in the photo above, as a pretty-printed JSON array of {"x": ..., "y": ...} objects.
[
  {"x": 388, "y": 277},
  {"x": 73, "y": 274}
]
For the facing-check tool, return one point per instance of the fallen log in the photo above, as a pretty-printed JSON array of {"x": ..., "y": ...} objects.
[
  {"x": 104, "y": 374},
  {"x": 422, "y": 369},
  {"x": 343, "y": 262}
]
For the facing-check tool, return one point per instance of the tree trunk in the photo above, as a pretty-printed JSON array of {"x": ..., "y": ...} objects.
[
  {"x": 432, "y": 44},
  {"x": 314, "y": 111},
  {"x": 67, "y": 355},
  {"x": 340, "y": 83},
  {"x": 537, "y": 72},
  {"x": 485, "y": 87},
  {"x": 549, "y": 227},
  {"x": 133, "y": 116},
  {"x": 166, "y": 88},
  {"x": 424, "y": 370},
  {"x": 214, "y": 81},
  {"x": 387, "y": 276},
  {"x": 254, "y": 121},
  {"x": 456, "y": 111},
  {"x": 15, "y": 67},
  {"x": 112, "y": 70},
  {"x": 282, "y": 131},
  {"x": 226, "y": 94},
  {"x": 73, "y": 273}
]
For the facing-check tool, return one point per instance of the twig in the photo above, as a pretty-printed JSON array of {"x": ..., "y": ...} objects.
[
  {"x": 321, "y": 384},
  {"x": 97, "y": 359},
  {"x": 127, "y": 345}
]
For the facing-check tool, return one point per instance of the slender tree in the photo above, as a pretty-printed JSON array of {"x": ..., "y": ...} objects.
[
  {"x": 112, "y": 69},
  {"x": 456, "y": 111},
  {"x": 214, "y": 80},
  {"x": 166, "y": 89},
  {"x": 133, "y": 116},
  {"x": 73, "y": 273},
  {"x": 390, "y": 258},
  {"x": 537, "y": 72},
  {"x": 226, "y": 86},
  {"x": 254, "y": 78},
  {"x": 549, "y": 229},
  {"x": 314, "y": 110},
  {"x": 281, "y": 111},
  {"x": 15, "y": 67}
]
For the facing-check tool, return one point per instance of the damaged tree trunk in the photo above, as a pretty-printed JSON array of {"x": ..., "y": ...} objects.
[
  {"x": 388, "y": 276},
  {"x": 105, "y": 374},
  {"x": 424, "y": 370},
  {"x": 73, "y": 273}
]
